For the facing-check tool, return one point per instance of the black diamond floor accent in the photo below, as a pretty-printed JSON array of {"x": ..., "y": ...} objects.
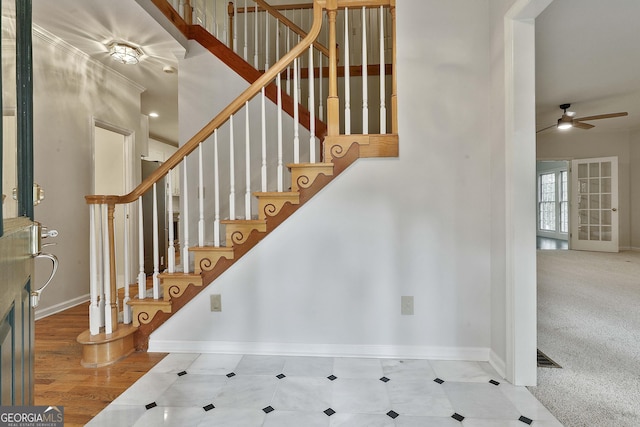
[
  {"x": 332, "y": 377},
  {"x": 494, "y": 382},
  {"x": 231, "y": 374},
  {"x": 268, "y": 409},
  {"x": 393, "y": 414},
  {"x": 385, "y": 379},
  {"x": 457, "y": 417},
  {"x": 208, "y": 407},
  {"x": 329, "y": 412},
  {"x": 525, "y": 420},
  {"x": 439, "y": 381},
  {"x": 182, "y": 373},
  {"x": 151, "y": 405},
  {"x": 280, "y": 376}
]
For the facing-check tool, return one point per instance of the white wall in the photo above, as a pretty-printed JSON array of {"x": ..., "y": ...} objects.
[
  {"x": 70, "y": 90},
  {"x": 579, "y": 144},
  {"x": 329, "y": 280},
  {"x": 206, "y": 86}
]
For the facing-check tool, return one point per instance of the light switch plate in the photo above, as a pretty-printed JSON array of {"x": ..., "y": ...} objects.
[{"x": 216, "y": 302}]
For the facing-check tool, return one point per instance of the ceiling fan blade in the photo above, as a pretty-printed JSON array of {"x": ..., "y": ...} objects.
[
  {"x": 580, "y": 125},
  {"x": 602, "y": 116},
  {"x": 548, "y": 127}
]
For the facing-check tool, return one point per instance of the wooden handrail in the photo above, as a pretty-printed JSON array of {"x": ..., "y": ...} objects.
[
  {"x": 299, "y": 31},
  {"x": 222, "y": 117}
]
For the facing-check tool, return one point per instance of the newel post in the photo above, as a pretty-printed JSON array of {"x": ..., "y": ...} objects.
[
  {"x": 394, "y": 74},
  {"x": 113, "y": 300},
  {"x": 333, "y": 102}
]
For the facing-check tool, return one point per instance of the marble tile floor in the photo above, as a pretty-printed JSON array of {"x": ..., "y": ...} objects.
[{"x": 281, "y": 391}]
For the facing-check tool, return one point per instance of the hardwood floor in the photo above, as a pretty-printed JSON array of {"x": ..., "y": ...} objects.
[{"x": 60, "y": 380}]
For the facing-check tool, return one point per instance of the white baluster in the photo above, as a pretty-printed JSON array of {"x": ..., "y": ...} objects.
[
  {"x": 347, "y": 79},
  {"x": 255, "y": 37},
  {"x": 101, "y": 256},
  {"x": 266, "y": 41},
  {"x": 216, "y": 218},
  {"x": 142, "y": 278},
  {"x": 280, "y": 168},
  {"x": 312, "y": 115},
  {"x": 184, "y": 195},
  {"x": 94, "y": 279},
  {"x": 214, "y": 20},
  {"x": 232, "y": 173},
  {"x": 225, "y": 27},
  {"x": 296, "y": 115},
  {"x": 383, "y": 106},
  {"x": 181, "y": 9},
  {"x": 200, "y": 198},
  {"x": 106, "y": 272},
  {"x": 365, "y": 83},
  {"x": 171, "y": 250},
  {"x": 246, "y": 34},
  {"x": 156, "y": 246},
  {"x": 247, "y": 159},
  {"x": 235, "y": 26},
  {"x": 263, "y": 119},
  {"x": 126, "y": 309},
  {"x": 288, "y": 67},
  {"x": 320, "y": 86}
]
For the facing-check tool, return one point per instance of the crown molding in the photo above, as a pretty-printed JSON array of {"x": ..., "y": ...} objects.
[{"x": 62, "y": 45}]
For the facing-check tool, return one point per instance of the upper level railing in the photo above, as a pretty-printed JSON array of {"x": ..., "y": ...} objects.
[{"x": 257, "y": 150}]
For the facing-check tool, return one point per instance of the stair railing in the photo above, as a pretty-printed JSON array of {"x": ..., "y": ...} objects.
[{"x": 257, "y": 160}]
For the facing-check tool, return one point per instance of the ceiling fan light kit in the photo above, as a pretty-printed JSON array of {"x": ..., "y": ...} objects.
[{"x": 567, "y": 121}]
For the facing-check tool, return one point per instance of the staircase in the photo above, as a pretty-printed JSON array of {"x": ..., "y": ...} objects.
[{"x": 119, "y": 328}]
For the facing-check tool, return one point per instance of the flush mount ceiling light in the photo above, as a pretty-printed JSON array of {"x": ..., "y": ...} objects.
[{"x": 125, "y": 53}]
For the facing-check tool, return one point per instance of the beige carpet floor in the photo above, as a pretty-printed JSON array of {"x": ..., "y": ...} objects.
[{"x": 589, "y": 323}]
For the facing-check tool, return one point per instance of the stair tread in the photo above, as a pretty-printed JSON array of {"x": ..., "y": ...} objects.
[
  {"x": 309, "y": 165},
  {"x": 211, "y": 248},
  {"x": 149, "y": 301},
  {"x": 243, "y": 221},
  {"x": 282, "y": 194}
]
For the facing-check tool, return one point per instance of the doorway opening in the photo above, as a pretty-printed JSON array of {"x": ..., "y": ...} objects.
[{"x": 112, "y": 175}]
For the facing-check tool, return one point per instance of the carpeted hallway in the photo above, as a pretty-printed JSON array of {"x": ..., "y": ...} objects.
[{"x": 589, "y": 323}]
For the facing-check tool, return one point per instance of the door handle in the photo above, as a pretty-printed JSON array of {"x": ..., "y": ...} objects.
[
  {"x": 38, "y": 232},
  {"x": 614, "y": 209},
  {"x": 35, "y": 294}
]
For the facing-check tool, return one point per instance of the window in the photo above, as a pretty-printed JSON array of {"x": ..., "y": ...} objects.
[{"x": 553, "y": 201}]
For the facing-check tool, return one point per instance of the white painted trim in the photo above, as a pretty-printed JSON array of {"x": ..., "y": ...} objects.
[
  {"x": 40, "y": 314},
  {"x": 480, "y": 354},
  {"x": 58, "y": 43},
  {"x": 520, "y": 212},
  {"x": 498, "y": 364}
]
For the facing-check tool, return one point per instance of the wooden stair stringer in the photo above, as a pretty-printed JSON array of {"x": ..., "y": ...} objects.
[
  {"x": 234, "y": 61},
  {"x": 146, "y": 329}
]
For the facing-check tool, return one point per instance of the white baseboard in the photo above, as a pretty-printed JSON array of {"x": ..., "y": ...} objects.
[
  {"x": 480, "y": 354},
  {"x": 498, "y": 364},
  {"x": 42, "y": 313}
]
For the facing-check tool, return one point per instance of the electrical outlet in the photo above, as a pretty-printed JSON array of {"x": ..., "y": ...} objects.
[
  {"x": 216, "y": 302},
  {"x": 406, "y": 305}
]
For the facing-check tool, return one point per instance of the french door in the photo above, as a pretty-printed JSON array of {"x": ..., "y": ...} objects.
[{"x": 594, "y": 204}]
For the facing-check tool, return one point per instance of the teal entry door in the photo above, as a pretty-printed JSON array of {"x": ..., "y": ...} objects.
[{"x": 19, "y": 239}]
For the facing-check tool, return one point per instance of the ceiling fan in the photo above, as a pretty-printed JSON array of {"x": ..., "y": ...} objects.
[{"x": 568, "y": 121}]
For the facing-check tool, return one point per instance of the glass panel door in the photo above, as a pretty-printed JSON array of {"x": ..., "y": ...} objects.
[{"x": 595, "y": 223}]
